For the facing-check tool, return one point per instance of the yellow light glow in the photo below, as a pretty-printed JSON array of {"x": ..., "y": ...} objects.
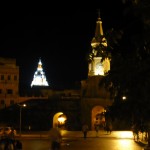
[
  {"x": 62, "y": 119},
  {"x": 24, "y": 105},
  {"x": 99, "y": 71},
  {"x": 124, "y": 97},
  {"x": 126, "y": 134},
  {"x": 124, "y": 144}
]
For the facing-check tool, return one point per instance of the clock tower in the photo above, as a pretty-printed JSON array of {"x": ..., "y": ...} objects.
[
  {"x": 98, "y": 65},
  {"x": 94, "y": 97}
]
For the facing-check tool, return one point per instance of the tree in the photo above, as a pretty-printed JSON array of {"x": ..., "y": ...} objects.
[{"x": 130, "y": 58}]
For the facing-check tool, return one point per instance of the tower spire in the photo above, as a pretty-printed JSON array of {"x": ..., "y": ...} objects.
[
  {"x": 98, "y": 11},
  {"x": 98, "y": 66},
  {"x": 98, "y": 31}
]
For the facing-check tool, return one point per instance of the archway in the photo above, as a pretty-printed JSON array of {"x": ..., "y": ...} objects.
[
  {"x": 59, "y": 120},
  {"x": 98, "y": 117}
]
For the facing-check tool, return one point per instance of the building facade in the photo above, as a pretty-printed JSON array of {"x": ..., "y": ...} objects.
[{"x": 9, "y": 82}]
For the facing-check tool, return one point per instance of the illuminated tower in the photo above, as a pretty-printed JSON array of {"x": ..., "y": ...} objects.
[
  {"x": 98, "y": 44},
  {"x": 94, "y": 96},
  {"x": 99, "y": 64},
  {"x": 39, "y": 78}
]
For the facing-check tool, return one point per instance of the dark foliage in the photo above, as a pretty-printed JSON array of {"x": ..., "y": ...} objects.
[{"x": 130, "y": 70}]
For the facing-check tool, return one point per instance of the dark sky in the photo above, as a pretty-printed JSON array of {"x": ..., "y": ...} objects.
[{"x": 60, "y": 37}]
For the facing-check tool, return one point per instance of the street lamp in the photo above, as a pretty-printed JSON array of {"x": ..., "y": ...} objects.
[
  {"x": 21, "y": 106},
  {"x": 124, "y": 97}
]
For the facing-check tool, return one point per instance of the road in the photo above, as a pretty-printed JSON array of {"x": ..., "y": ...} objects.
[
  {"x": 82, "y": 144},
  {"x": 75, "y": 141}
]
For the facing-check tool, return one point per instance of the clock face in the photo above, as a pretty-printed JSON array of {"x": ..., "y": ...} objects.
[{"x": 98, "y": 65}]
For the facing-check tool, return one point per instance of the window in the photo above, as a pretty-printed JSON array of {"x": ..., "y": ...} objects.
[
  {"x": 2, "y": 77},
  {"x": 9, "y": 91},
  {"x": 11, "y": 102},
  {"x": 9, "y": 77},
  {"x": 2, "y": 102},
  {"x": 15, "y": 77}
]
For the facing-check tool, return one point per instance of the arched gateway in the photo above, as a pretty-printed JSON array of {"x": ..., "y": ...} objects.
[{"x": 97, "y": 117}]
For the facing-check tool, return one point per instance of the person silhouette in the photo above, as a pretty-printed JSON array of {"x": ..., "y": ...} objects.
[
  {"x": 55, "y": 138},
  {"x": 85, "y": 129},
  {"x": 97, "y": 130}
]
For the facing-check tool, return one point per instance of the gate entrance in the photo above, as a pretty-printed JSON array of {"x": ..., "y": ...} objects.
[{"x": 98, "y": 117}]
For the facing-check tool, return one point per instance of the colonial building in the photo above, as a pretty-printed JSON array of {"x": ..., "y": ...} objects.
[{"x": 9, "y": 82}]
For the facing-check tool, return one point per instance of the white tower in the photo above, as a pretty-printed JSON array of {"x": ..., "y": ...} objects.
[{"x": 39, "y": 78}]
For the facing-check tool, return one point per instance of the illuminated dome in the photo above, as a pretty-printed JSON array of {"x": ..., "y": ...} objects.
[{"x": 39, "y": 78}]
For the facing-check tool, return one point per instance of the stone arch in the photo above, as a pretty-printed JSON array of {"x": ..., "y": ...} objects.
[
  {"x": 56, "y": 118},
  {"x": 97, "y": 116}
]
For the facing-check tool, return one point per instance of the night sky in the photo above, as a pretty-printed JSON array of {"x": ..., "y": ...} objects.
[{"x": 60, "y": 37}]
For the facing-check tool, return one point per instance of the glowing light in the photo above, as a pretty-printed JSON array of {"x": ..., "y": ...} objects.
[
  {"x": 39, "y": 78},
  {"x": 99, "y": 71},
  {"x": 62, "y": 119},
  {"x": 124, "y": 144},
  {"x": 101, "y": 67},
  {"x": 124, "y": 97},
  {"x": 24, "y": 105},
  {"x": 126, "y": 134}
]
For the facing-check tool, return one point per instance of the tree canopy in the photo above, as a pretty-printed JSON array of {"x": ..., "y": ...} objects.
[{"x": 129, "y": 75}]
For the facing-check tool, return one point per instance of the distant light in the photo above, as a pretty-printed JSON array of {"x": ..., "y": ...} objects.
[
  {"x": 24, "y": 105},
  {"x": 124, "y": 97}
]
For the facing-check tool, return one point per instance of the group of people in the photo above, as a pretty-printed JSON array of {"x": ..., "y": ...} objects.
[
  {"x": 107, "y": 128},
  {"x": 10, "y": 144}
]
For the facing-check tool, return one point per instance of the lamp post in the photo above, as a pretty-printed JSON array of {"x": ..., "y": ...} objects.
[{"x": 21, "y": 106}]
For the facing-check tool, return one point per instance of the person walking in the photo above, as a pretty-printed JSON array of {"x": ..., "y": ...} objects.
[
  {"x": 135, "y": 131},
  {"x": 108, "y": 127},
  {"x": 97, "y": 130},
  {"x": 55, "y": 138},
  {"x": 85, "y": 129}
]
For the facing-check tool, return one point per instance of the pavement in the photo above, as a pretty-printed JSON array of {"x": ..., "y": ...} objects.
[
  {"x": 92, "y": 134},
  {"x": 101, "y": 133}
]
